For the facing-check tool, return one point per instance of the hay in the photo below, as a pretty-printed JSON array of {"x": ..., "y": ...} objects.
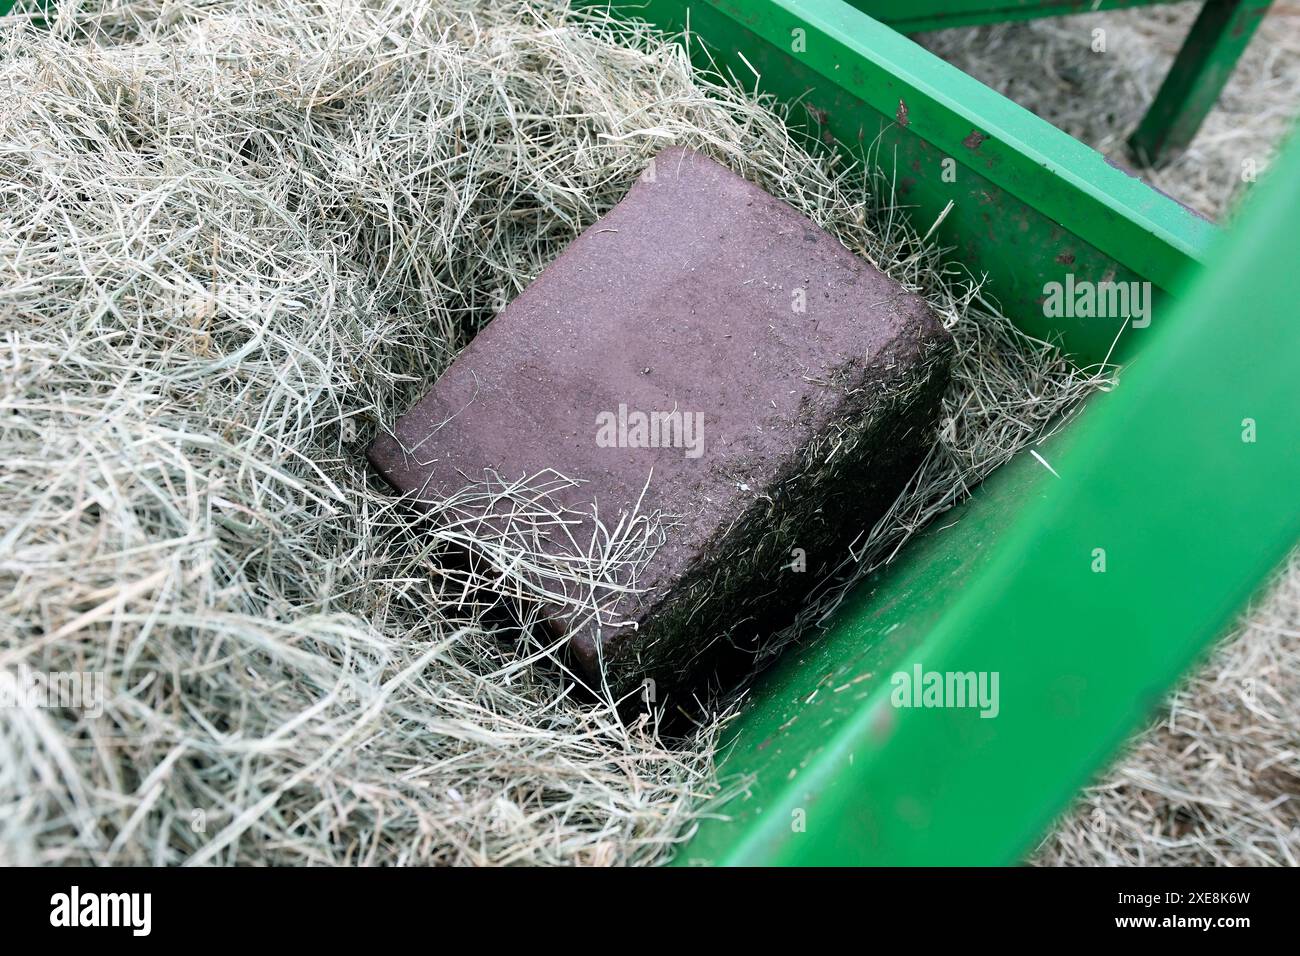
[
  {"x": 1214, "y": 780},
  {"x": 238, "y": 236}
]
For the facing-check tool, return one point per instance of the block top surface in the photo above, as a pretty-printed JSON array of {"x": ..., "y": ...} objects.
[{"x": 698, "y": 293}]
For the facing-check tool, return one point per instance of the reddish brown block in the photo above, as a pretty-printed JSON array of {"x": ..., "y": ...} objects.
[{"x": 814, "y": 379}]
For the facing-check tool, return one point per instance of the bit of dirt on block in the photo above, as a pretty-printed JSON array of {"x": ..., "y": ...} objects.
[{"x": 711, "y": 354}]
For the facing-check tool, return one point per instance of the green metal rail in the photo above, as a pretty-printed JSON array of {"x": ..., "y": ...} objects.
[
  {"x": 917, "y": 16},
  {"x": 1191, "y": 515},
  {"x": 1202, "y": 67}
]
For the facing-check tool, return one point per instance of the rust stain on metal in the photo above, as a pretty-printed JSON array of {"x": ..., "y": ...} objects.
[
  {"x": 820, "y": 116},
  {"x": 974, "y": 140},
  {"x": 901, "y": 114}
]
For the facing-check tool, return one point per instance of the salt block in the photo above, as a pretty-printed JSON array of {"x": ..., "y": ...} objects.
[{"x": 708, "y": 355}]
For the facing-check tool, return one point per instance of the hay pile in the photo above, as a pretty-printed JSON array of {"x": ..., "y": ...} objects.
[
  {"x": 1214, "y": 781},
  {"x": 237, "y": 237}
]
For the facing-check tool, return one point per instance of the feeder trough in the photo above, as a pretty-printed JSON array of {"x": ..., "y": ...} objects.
[{"x": 1181, "y": 476}]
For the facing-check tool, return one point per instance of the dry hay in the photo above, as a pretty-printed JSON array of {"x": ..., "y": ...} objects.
[{"x": 238, "y": 236}]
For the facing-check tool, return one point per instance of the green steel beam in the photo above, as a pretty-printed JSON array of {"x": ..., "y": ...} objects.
[
  {"x": 1183, "y": 475},
  {"x": 1030, "y": 204},
  {"x": 1203, "y": 65},
  {"x": 1199, "y": 72},
  {"x": 917, "y": 16}
]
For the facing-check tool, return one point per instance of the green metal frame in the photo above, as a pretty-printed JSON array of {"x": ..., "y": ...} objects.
[
  {"x": 6, "y": 6},
  {"x": 1156, "y": 473},
  {"x": 1199, "y": 72},
  {"x": 918, "y": 16},
  {"x": 1191, "y": 517},
  {"x": 1204, "y": 64}
]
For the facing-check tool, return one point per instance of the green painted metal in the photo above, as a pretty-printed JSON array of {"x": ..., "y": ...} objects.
[
  {"x": 1203, "y": 65},
  {"x": 916, "y": 16},
  {"x": 1030, "y": 204},
  {"x": 17, "y": 7},
  {"x": 1016, "y": 181},
  {"x": 30, "y": 7},
  {"x": 1156, "y": 473},
  {"x": 1191, "y": 517},
  {"x": 1199, "y": 72}
]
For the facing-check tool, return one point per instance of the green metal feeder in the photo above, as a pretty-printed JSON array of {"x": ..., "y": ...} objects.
[
  {"x": 1161, "y": 473},
  {"x": 1202, "y": 67}
]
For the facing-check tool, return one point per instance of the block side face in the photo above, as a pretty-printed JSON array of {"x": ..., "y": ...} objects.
[{"x": 698, "y": 296}]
